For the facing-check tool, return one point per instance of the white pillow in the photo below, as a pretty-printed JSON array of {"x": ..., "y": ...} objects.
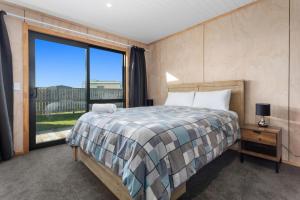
[
  {"x": 180, "y": 99},
  {"x": 213, "y": 99}
]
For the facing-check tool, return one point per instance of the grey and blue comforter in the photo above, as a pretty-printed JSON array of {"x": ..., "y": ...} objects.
[{"x": 155, "y": 149}]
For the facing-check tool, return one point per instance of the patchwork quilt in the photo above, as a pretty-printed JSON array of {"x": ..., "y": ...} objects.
[{"x": 155, "y": 149}]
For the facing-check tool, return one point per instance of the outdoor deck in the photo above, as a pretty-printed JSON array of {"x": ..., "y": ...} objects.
[
  {"x": 47, "y": 136},
  {"x": 55, "y": 126}
]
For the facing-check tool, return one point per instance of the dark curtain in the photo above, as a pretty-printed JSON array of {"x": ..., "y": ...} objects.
[
  {"x": 137, "y": 77},
  {"x": 6, "y": 93}
]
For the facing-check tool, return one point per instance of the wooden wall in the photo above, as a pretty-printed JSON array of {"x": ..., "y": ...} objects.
[
  {"x": 294, "y": 83},
  {"x": 252, "y": 43},
  {"x": 15, "y": 31}
]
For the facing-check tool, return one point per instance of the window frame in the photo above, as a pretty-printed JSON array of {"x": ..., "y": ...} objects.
[
  {"x": 52, "y": 38},
  {"x": 32, "y": 36},
  {"x": 92, "y": 101}
]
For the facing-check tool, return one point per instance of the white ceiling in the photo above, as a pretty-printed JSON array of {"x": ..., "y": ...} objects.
[{"x": 141, "y": 20}]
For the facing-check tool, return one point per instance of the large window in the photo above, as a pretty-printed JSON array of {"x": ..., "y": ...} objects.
[{"x": 66, "y": 78}]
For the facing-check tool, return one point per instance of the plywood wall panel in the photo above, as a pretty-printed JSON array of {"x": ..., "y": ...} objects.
[
  {"x": 153, "y": 74},
  {"x": 253, "y": 44},
  {"x": 107, "y": 36},
  {"x": 295, "y": 83},
  {"x": 54, "y": 21},
  {"x": 181, "y": 56}
]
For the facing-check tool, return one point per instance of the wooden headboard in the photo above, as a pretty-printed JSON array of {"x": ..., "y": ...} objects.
[{"x": 237, "y": 102}]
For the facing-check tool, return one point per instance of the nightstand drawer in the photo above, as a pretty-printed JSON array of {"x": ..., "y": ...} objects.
[{"x": 259, "y": 137}]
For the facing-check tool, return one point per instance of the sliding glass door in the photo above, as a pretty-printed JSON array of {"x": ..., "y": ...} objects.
[
  {"x": 66, "y": 78},
  {"x": 57, "y": 91},
  {"x": 106, "y": 77}
]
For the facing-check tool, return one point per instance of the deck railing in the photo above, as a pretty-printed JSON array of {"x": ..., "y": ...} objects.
[{"x": 67, "y": 99}]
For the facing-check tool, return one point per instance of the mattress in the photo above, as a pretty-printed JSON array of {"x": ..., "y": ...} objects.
[{"x": 155, "y": 149}]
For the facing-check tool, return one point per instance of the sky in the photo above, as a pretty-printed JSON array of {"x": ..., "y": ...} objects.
[{"x": 60, "y": 64}]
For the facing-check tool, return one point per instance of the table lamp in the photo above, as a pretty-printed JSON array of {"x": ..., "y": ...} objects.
[{"x": 262, "y": 110}]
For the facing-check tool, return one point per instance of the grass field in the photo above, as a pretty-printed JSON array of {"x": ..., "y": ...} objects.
[{"x": 56, "y": 121}]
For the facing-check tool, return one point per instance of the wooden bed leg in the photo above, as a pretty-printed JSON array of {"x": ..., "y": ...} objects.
[
  {"x": 75, "y": 153},
  {"x": 178, "y": 192}
]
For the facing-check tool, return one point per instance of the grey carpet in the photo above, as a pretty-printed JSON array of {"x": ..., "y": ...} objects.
[{"x": 50, "y": 173}]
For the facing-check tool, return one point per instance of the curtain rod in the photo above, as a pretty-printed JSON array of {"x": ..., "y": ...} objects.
[{"x": 69, "y": 30}]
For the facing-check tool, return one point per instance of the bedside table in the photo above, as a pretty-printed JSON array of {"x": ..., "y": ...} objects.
[
  {"x": 149, "y": 102},
  {"x": 262, "y": 142}
]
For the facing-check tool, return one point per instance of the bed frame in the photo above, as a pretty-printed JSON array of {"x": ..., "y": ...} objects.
[
  {"x": 114, "y": 182},
  {"x": 110, "y": 179}
]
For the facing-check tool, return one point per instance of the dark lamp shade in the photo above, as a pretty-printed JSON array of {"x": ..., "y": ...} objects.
[{"x": 263, "y": 109}]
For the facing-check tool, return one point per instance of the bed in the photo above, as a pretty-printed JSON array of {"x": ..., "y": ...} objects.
[{"x": 150, "y": 152}]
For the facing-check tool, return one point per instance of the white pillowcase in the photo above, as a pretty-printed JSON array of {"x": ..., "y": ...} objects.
[
  {"x": 104, "y": 108},
  {"x": 180, "y": 99},
  {"x": 213, "y": 99}
]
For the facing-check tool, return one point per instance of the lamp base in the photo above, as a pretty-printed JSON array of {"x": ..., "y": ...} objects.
[{"x": 262, "y": 123}]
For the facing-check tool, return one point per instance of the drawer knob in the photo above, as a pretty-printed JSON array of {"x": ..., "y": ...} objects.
[{"x": 258, "y": 132}]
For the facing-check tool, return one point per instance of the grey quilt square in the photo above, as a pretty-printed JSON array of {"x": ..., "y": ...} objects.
[{"x": 176, "y": 160}]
